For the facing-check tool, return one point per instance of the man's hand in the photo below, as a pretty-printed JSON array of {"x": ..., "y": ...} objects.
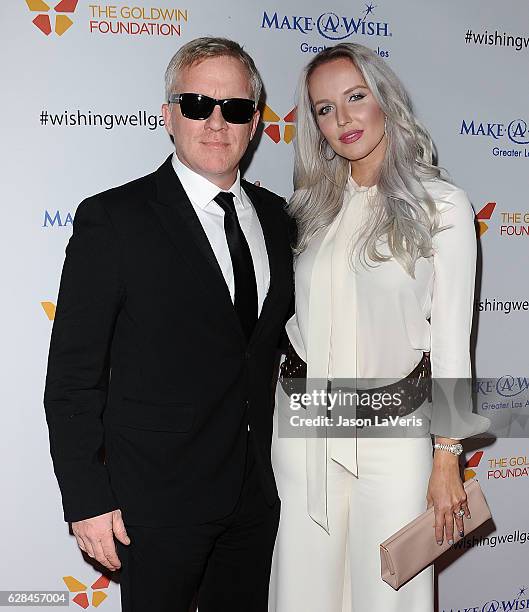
[{"x": 95, "y": 537}]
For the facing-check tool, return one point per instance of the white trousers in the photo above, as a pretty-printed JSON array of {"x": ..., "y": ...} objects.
[{"x": 313, "y": 571}]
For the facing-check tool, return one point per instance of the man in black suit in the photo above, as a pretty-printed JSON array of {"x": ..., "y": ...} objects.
[{"x": 173, "y": 296}]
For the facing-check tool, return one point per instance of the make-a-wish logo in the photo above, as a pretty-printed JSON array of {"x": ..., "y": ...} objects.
[
  {"x": 330, "y": 25},
  {"x": 515, "y": 132},
  {"x": 55, "y": 218},
  {"x": 511, "y": 386},
  {"x": 506, "y": 386},
  {"x": 519, "y": 602}
]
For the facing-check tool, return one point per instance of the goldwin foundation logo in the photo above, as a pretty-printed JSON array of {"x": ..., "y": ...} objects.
[{"x": 59, "y": 16}]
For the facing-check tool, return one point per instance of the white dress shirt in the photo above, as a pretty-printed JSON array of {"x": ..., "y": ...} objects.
[
  {"x": 373, "y": 322},
  {"x": 201, "y": 192}
]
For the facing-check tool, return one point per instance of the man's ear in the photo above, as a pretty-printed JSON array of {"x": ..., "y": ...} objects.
[
  {"x": 166, "y": 114},
  {"x": 255, "y": 123}
]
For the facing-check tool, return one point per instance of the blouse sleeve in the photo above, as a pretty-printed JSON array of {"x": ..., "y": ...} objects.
[{"x": 454, "y": 261}]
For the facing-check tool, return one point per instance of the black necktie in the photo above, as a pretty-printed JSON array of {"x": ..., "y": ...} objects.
[{"x": 243, "y": 271}]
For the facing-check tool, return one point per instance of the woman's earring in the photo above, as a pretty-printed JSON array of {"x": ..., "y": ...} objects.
[
  {"x": 385, "y": 125},
  {"x": 322, "y": 155}
]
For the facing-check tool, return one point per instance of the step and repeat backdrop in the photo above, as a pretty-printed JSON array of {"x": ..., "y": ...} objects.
[{"x": 81, "y": 96}]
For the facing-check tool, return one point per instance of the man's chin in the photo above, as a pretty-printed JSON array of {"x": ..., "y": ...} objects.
[
  {"x": 221, "y": 175},
  {"x": 219, "y": 169}
]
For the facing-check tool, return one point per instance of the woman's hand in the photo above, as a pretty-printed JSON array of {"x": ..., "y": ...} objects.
[{"x": 447, "y": 495}]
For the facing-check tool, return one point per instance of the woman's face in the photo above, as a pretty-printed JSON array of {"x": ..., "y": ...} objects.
[{"x": 347, "y": 114}]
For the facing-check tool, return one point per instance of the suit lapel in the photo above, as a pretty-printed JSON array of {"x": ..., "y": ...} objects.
[{"x": 179, "y": 220}]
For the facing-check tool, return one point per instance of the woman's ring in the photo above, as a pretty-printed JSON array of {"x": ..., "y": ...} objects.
[{"x": 460, "y": 512}]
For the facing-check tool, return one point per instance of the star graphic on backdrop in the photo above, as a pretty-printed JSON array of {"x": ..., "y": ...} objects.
[
  {"x": 522, "y": 591},
  {"x": 369, "y": 9}
]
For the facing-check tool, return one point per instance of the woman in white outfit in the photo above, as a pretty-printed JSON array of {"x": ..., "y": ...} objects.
[{"x": 379, "y": 287}]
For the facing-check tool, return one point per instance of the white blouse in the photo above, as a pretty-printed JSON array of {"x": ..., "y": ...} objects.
[{"x": 355, "y": 321}]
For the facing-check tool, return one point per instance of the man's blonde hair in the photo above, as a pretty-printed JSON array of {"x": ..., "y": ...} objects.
[{"x": 199, "y": 49}]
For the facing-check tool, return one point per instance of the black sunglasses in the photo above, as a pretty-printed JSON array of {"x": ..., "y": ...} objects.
[{"x": 199, "y": 107}]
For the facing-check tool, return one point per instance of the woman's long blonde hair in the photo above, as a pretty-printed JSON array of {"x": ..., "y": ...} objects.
[{"x": 404, "y": 214}]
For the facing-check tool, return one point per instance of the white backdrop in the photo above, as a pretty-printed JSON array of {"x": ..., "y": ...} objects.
[{"x": 64, "y": 63}]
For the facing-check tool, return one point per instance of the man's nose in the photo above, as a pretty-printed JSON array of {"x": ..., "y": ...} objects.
[{"x": 216, "y": 121}]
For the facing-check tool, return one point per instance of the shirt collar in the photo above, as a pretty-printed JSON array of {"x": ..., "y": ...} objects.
[
  {"x": 353, "y": 187},
  {"x": 201, "y": 191}
]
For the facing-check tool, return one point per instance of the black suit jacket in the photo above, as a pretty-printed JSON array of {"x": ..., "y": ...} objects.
[{"x": 151, "y": 383}]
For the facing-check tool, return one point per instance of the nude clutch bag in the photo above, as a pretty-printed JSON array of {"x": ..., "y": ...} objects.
[{"x": 408, "y": 551}]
